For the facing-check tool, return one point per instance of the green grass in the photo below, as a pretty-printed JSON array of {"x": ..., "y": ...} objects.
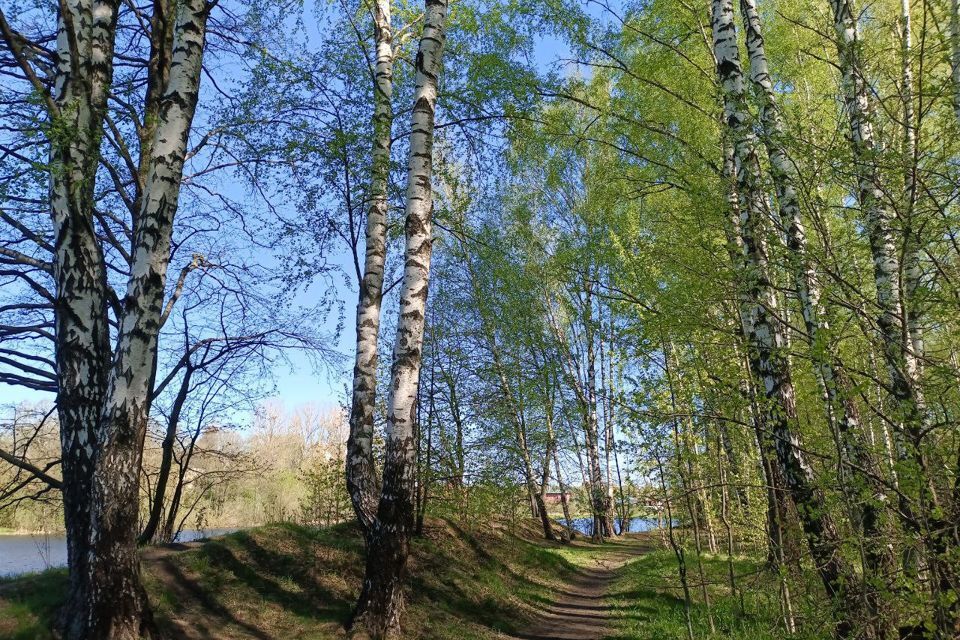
[
  {"x": 288, "y": 581},
  {"x": 649, "y": 602},
  {"x": 29, "y": 602}
]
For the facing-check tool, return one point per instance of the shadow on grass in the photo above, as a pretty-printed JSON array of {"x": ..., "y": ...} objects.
[
  {"x": 188, "y": 590},
  {"x": 29, "y": 603},
  {"x": 266, "y": 573},
  {"x": 279, "y": 566}
]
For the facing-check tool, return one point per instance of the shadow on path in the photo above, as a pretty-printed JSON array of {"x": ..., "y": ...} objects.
[{"x": 579, "y": 611}]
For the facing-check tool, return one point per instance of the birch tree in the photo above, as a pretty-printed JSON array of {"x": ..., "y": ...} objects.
[
  {"x": 104, "y": 397},
  {"x": 388, "y": 540},
  {"x": 841, "y": 410},
  {"x": 361, "y": 471},
  {"x": 764, "y": 334},
  {"x": 893, "y": 321}
]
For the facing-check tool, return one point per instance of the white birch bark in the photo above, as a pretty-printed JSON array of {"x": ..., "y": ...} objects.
[
  {"x": 901, "y": 360},
  {"x": 902, "y": 366},
  {"x": 602, "y": 527},
  {"x": 955, "y": 53},
  {"x": 765, "y": 337},
  {"x": 362, "y": 482},
  {"x": 878, "y": 218},
  {"x": 841, "y": 409},
  {"x": 114, "y": 563},
  {"x": 82, "y": 77},
  {"x": 419, "y": 244},
  {"x": 913, "y": 269},
  {"x": 381, "y": 602}
]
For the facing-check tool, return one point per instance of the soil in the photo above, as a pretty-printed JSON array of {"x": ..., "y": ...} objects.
[{"x": 579, "y": 610}]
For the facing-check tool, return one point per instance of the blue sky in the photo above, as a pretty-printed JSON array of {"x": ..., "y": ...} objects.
[{"x": 297, "y": 382}]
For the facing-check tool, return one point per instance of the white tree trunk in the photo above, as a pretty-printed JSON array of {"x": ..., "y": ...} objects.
[
  {"x": 955, "y": 53},
  {"x": 901, "y": 359},
  {"x": 841, "y": 409},
  {"x": 82, "y": 78},
  {"x": 913, "y": 265},
  {"x": 765, "y": 337},
  {"x": 123, "y": 420},
  {"x": 381, "y": 602},
  {"x": 362, "y": 482}
]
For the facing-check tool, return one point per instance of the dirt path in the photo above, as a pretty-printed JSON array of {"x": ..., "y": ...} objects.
[{"x": 579, "y": 610}]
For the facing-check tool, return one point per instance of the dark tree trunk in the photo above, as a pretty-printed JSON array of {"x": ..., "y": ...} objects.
[
  {"x": 381, "y": 600},
  {"x": 166, "y": 461}
]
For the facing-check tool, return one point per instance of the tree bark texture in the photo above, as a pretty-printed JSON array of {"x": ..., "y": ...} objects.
[
  {"x": 362, "y": 483},
  {"x": 104, "y": 401},
  {"x": 388, "y": 540}
]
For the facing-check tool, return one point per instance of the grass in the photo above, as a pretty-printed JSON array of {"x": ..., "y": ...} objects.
[
  {"x": 289, "y": 581},
  {"x": 648, "y": 600},
  {"x": 29, "y": 602}
]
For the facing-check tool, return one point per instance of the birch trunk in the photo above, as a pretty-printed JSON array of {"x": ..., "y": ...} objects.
[
  {"x": 82, "y": 79},
  {"x": 777, "y": 510},
  {"x": 361, "y": 469},
  {"x": 955, "y": 53},
  {"x": 901, "y": 359},
  {"x": 598, "y": 497},
  {"x": 388, "y": 540},
  {"x": 545, "y": 520},
  {"x": 550, "y": 455},
  {"x": 564, "y": 503},
  {"x": 913, "y": 271},
  {"x": 842, "y": 411},
  {"x": 606, "y": 386},
  {"x": 878, "y": 219},
  {"x": 765, "y": 339},
  {"x": 117, "y": 605}
]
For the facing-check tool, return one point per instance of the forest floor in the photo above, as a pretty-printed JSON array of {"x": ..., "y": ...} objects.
[{"x": 284, "y": 581}]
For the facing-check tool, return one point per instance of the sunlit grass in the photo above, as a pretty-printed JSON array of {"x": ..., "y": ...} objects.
[{"x": 649, "y": 602}]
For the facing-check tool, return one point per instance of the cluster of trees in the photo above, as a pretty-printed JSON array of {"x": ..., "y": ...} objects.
[
  {"x": 285, "y": 465},
  {"x": 734, "y": 255},
  {"x": 820, "y": 366},
  {"x": 713, "y": 253}
]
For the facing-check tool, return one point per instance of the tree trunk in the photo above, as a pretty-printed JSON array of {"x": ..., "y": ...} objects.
[
  {"x": 166, "y": 460},
  {"x": 765, "y": 339},
  {"x": 361, "y": 468},
  {"x": 118, "y": 604},
  {"x": 898, "y": 346},
  {"x": 955, "y": 53},
  {"x": 841, "y": 410},
  {"x": 913, "y": 270},
  {"x": 388, "y": 541},
  {"x": 606, "y": 384},
  {"x": 598, "y": 494},
  {"x": 564, "y": 503},
  {"x": 80, "y": 305}
]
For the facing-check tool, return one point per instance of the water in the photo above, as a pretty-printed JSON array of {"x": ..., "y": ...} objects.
[
  {"x": 637, "y": 525},
  {"x": 27, "y": 553}
]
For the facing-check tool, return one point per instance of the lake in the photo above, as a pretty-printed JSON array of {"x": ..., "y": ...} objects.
[
  {"x": 27, "y": 553},
  {"x": 637, "y": 525}
]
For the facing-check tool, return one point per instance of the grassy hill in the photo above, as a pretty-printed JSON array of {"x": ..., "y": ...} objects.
[
  {"x": 289, "y": 581},
  {"x": 284, "y": 581}
]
